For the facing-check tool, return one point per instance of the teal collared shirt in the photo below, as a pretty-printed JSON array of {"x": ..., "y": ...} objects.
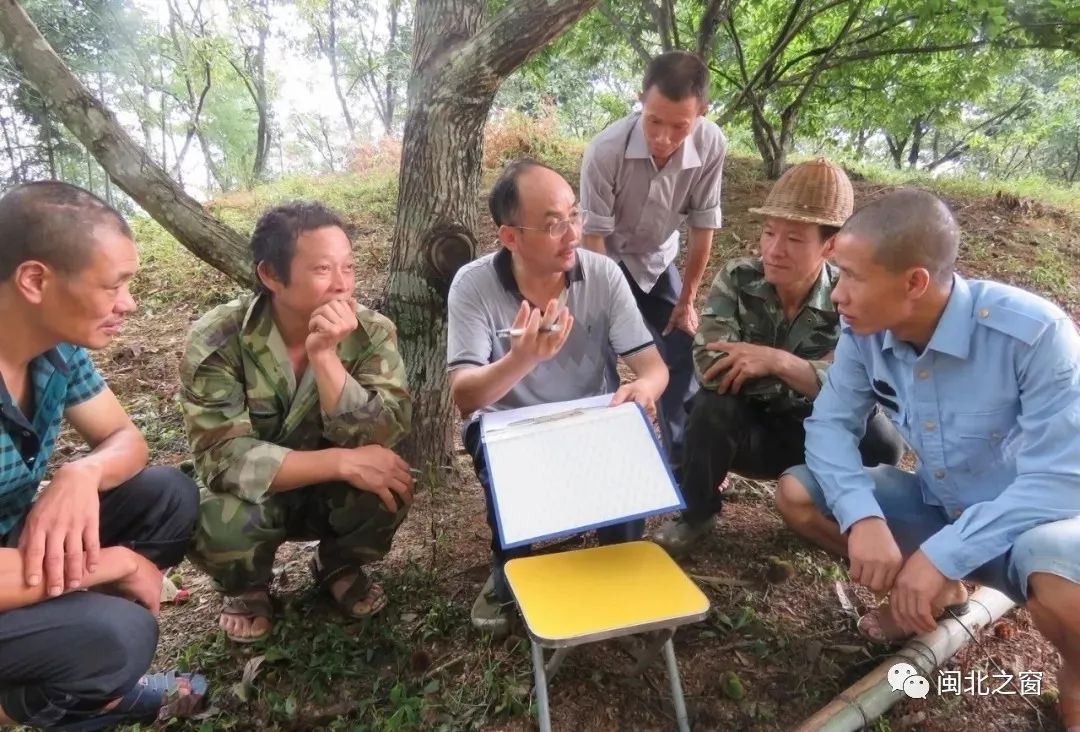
[
  {"x": 991, "y": 407},
  {"x": 61, "y": 378}
]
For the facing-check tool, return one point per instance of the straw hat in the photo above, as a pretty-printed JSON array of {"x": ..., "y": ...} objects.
[{"x": 817, "y": 192}]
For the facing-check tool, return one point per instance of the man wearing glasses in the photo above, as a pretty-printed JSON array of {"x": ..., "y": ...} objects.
[
  {"x": 538, "y": 279},
  {"x": 643, "y": 178}
]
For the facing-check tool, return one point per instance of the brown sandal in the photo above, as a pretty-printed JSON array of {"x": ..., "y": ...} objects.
[
  {"x": 361, "y": 589},
  {"x": 249, "y": 607}
]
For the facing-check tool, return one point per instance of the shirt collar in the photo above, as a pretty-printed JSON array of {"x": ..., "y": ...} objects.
[
  {"x": 503, "y": 262},
  {"x": 254, "y": 310},
  {"x": 819, "y": 298},
  {"x": 952, "y": 336},
  {"x": 259, "y": 331},
  {"x": 52, "y": 358},
  {"x": 637, "y": 148},
  {"x": 58, "y": 362}
]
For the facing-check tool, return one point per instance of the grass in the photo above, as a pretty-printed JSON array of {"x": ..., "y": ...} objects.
[
  {"x": 318, "y": 672},
  {"x": 1031, "y": 187}
]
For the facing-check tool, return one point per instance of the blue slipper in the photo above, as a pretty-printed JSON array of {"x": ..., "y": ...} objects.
[{"x": 155, "y": 697}]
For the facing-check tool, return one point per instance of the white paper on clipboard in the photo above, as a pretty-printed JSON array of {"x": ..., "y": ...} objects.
[{"x": 573, "y": 466}]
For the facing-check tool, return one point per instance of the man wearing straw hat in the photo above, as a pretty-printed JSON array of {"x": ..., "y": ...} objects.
[
  {"x": 642, "y": 178},
  {"x": 767, "y": 332}
]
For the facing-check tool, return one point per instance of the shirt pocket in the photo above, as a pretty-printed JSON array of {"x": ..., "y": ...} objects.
[
  {"x": 980, "y": 437},
  {"x": 265, "y": 416}
]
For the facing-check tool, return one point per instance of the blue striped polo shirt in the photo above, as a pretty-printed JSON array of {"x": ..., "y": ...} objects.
[{"x": 61, "y": 377}]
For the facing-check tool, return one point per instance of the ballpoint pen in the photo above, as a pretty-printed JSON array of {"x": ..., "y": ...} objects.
[{"x": 517, "y": 332}]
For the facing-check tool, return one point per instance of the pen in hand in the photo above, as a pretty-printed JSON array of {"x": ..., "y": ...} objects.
[{"x": 518, "y": 332}]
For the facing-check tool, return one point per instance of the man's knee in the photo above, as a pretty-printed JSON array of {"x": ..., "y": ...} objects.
[
  {"x": 1052, "y": 601},
  {"x": 235, "y": 540},
  {"x": 112, "y": 642},
  {"x": 178, "y": 492},
  {"x": 794, "y": 502},
  {"x": 713, "y": 413}
]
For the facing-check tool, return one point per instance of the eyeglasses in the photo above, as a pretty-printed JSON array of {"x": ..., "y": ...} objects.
[{"x": 557, "y": 229}]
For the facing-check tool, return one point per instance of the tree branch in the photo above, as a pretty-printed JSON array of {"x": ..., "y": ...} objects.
[
  {"x": 126, "y": 163},
  {"x": 627, "y": 33},
  {"x": 711, "y": 18},
  {"x": 509, "y": 39}
]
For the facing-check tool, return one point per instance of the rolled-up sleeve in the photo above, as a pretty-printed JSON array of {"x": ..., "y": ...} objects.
[
  {"x": 597, "y": 190},
  {"x": 704, "y": 210},
  {"x": 229, "y": 457},
  {"x": 833, "y": 433},
  {"x": 375, "y": 406},
  {"x": 1047, "y": 484},
  {"x": 719, "y": 323}
]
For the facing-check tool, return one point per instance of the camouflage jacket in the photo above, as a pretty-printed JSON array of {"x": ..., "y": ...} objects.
[
  {"x": 742, "y": 306},
  {"x": 244, "y": 410}
]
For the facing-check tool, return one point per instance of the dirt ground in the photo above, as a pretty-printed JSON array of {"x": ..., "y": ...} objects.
[{"x": 767, "y": 657}]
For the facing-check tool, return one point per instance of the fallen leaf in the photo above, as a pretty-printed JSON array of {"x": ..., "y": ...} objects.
[{"x": 245, "y": 687}]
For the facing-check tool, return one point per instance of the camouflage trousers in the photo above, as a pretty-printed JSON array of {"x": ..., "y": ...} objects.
[{"x": 236, "y": 540}]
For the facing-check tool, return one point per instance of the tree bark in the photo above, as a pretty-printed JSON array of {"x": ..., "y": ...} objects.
[
  {"x": 458, "y": 63},
  {"x": 918, "y": 129},
  {"x": 130, "y": 166}
]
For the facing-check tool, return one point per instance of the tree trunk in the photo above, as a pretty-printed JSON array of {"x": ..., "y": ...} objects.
[
  {"x": 47, "y": 135},
  {"x": 860, "y": 144},
  {"x": 331, "y": 51},
  {"x": 390, "y": 91},
  {"x": 262, "y": 134},
  {"x": 458, "y": 63},
  {"x": 15, "y": 176},
  {"x": 769, "y": 147},
  {"x": 129, "y": 165},
  {"x": 896, "y": 150},
  {"x": 918, "y": 129}
]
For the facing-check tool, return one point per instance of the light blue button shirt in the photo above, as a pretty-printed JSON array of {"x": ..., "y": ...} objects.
[{"x": 991, "y": 407}]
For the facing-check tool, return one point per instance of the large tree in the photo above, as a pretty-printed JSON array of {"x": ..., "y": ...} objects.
[
  {"x": 128, "y": 164},
  {"x": 459, "y": 60}
]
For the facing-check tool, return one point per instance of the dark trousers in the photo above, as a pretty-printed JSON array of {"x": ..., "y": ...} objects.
[
  {"x": 675, "y": 348},
  {"x": 615, "y": 534},
  {"x": 729, "y": 432},
  {"x": 64, "y": 659}
]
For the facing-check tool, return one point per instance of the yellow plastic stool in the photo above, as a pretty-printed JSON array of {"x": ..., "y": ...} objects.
[{"x": 588, "y": 595}]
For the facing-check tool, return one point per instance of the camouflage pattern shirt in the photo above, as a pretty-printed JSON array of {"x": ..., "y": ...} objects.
[
  {"x": 742, "y": 306},
  {"x": 244, "y": 410}
]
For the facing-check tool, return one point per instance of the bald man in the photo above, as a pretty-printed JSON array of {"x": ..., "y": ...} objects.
[
  {"x": 539, "y": 277},
  {"x": 983, "y": 381}
]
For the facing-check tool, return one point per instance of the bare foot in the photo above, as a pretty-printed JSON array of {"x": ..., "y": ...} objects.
[
  {"x": 880, "y": 626},
  {"x": 375, "y": 600},
  {"x": 1069, "y": 699},
  {"x": 242, "y": 626}
]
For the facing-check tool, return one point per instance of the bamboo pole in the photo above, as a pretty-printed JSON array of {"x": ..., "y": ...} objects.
[{"x": 872, "y": 696}]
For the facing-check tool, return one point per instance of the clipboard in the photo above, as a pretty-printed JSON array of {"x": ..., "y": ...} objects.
[{"x": 569, "y": 467}]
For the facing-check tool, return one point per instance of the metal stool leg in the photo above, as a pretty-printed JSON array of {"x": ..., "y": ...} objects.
[
  {"x": 543, "y": 713},
  {"x": 682, "y": 721}
]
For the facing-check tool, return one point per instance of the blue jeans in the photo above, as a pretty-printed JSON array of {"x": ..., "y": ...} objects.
[{"x": 1053, "y": 548}]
